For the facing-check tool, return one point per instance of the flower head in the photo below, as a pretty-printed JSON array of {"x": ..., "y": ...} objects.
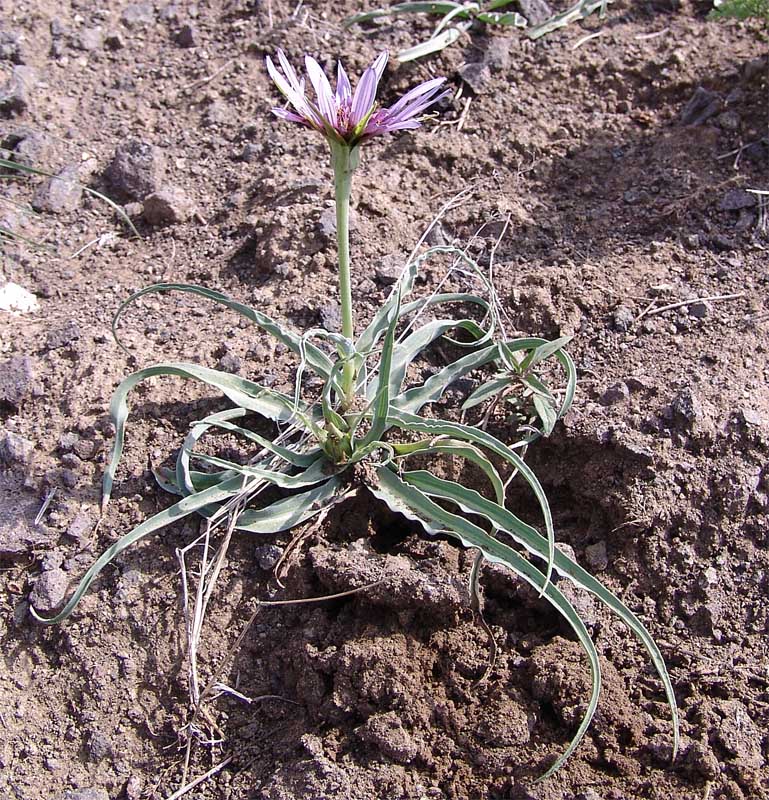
[{"x": 344, "y": 115}]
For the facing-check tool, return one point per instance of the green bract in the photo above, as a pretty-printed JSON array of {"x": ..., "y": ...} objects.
[{"x": 326, "y": 449}]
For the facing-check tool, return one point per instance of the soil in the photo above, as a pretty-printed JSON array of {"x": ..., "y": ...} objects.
[{"x": 620, "y": 163}]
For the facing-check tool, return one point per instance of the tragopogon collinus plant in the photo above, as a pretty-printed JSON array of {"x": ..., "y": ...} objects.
[{"x": 369, "y": 420}]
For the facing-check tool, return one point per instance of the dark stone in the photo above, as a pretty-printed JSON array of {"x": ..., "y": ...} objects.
[
  {"x": 114, "y": 41},
  {"x": 64, "y": 336},
  {"x": 476, "y": 75},
  {"x": 330, "y": 316},
  {"x": 231, "y": 363},
  {"x": 327, "y": 223},
  {"x": 535, "y": 11},
  {"x": 15, "y": 449},
  {"x": 167, "y": 207},
  {"x": 389, "y": 269},
  {"x": 99, "y": 746},
  {"x": 702, "y": 105},
  {"x": 15, "y": 95},
  {"x": 736, "y": 199},
  {"x": 10, "y": 47},
  {"x": 137, "y": 169},
  {"x": 623, "y": 318},
  {"x": 60, "y": 194},
  {"x": 250, "y": 152},
  {"x": 187, "y": 36},
  {"x": 616, "y": 393},
  {"x": 18, "y": 380},
  {"x": 687, "y": 409},
  {"x": 81, "y": 526},
  {"x": 267, "y": 556},
  {"x": 138, "y": 15},
  {"x": 50, "y": 590}
]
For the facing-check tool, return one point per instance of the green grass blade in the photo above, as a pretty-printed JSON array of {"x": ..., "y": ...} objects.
[
  {"x": 185, "y": 507},
  {"x": 512, "y": 18},
  {"x": 321, "y": 470},
  {"x": 434, "y": 45},
  {"x": 472, "y": 502},
  {"x": 415, "y": 505},
  {"x": 290, "y": 511},
  {"x": 166, "y": 480},
  {"x": 478, "y": 437},
  {"x": 245, "y": 394},
  {"x": 316, "y": 358},
  {"x": 485, "y": 392}
]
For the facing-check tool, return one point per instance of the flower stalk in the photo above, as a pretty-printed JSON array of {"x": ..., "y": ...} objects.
[{"x": 345, "y": 159}]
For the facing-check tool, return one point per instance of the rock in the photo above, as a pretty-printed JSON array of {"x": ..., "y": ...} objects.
[
  {"x": 596, "y": 556},
  {"x": 330, "y": 316},
  {"x": 250, "y": 152},
  {"x": 18, "y": 534},
  {"x": 50, "y": 590},
  {"x": 32, "y": 149},
  {"x": 698, "y": 759},
  {"x": 10, "y": 47},
  {"x": 85, "y": 794},
  {"x": 138, "y": 15},
  {"x": 616, "y": 393},
  {"x": 187, "y": 36},
  {"x": 64, "y": 336},
  {"x": 15, "y": 95},
  {"x": 535, "y": 11},
  {"x": 60, "y": 194},
  {"x": 327, "y": 224},
  {"x": 267, "y": 556},
  {"x": 755, "y": 68},
  {"x": 90, "y": 39},
  {"x": 687, "y": 409},
  {"x": 133, "y": 788},
  {"x": 623, "y": 318},
  {"x": 702, "y": 105},
  {"x": 389, "y": 269},
  {"x": 386, "y": 734},
  {"x": 81, "y": 526},
  {"x": 736, "y": 199},
  {"x": 231, "y": 363},
  {"x": 699, "y": 310},
  {"x": 738, "y": 734},
  {"x": 476, "y": 75},
  {"x": 167, "y": 207},
  {"x": 16, "y": 299},
  {"x": 18, "y": 381},
  {"x": 424, "y": 585},
  {"x": 15, "y": 449},
  {"x": 114, "y": 41},
  {"x": 99, "y": 746},
  {"x": 497, "y": 53},
  {"x": 636, "y": 196},
  {"x": 137, "y": 169},
  {"x": 729, "y": 121}
]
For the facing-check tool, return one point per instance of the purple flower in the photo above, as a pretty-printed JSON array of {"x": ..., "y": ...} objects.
[{"x": 347, "y": 116}]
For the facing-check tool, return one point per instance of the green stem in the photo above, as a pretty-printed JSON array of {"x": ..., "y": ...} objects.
[{"x": 345, "y": 159}]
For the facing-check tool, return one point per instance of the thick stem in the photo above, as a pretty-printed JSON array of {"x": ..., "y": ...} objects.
[{"x": 345, "y": 160}]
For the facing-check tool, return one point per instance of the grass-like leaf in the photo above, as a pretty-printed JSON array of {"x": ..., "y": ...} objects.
[{"x": 409, "y": 500}]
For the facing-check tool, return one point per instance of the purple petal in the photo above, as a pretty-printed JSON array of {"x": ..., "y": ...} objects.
[
  {"x": 290, "y": 116},
  {"x": 363, "y": 99},
  {"x": 415, "y": 108},
  {"x": 415, "y": 94},
  {"x": 343, "y": 88},
  {"x": 290, "y": 73},
  {"x": 380, "y": 62},
  {"x": 322, "y": 88}
]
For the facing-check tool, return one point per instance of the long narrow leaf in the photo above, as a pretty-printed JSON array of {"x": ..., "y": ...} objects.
[
  {"x": 472, "y": 502},
  {"x": 415, "y": 505},
  {"x": 185, "y": 507},
  {"x": 245, "y": 394},
  {"x": 290, "y": 511},
  {"x": 316, "y": 358}
]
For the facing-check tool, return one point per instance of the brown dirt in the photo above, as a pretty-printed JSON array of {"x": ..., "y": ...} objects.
[{"x": 661, "y": 465}]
